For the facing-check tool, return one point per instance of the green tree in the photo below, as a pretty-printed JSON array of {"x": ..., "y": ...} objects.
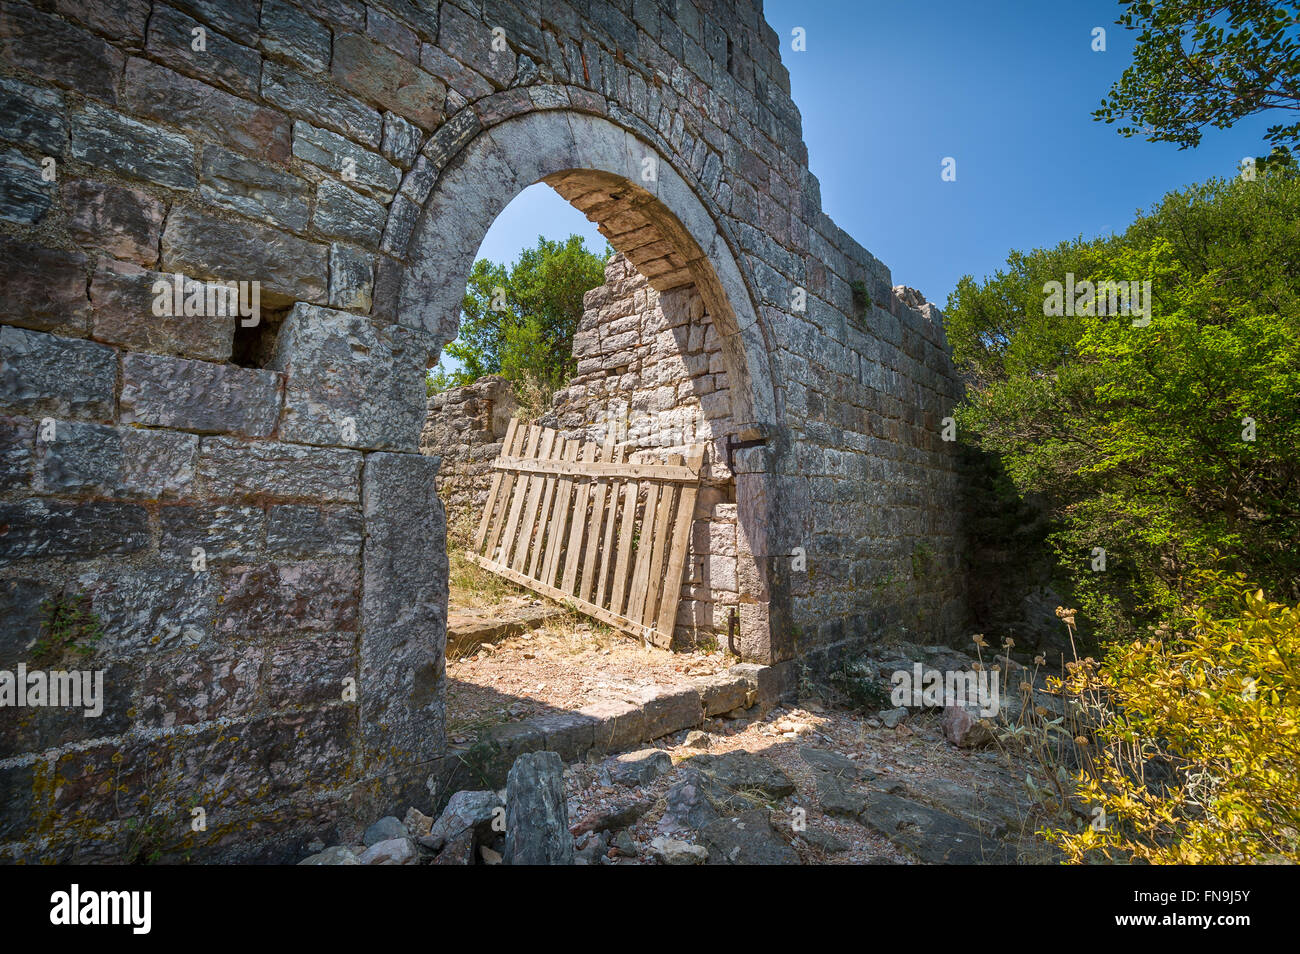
[
  {"x": 1201, "y": 63},
  {"x": 1174, "y": 445},
  {"x": 519, "y": 321}
]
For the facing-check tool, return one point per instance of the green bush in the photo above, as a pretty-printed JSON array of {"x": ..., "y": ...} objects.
[{"x": 1136, "y": 436}]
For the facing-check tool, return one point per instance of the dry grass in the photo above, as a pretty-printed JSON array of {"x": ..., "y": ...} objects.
[{"x": 472, "y": 587}]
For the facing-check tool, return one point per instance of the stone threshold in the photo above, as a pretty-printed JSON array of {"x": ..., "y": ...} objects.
[
  {"x": 467, "y": 629},
  {"x": 613, "y": 725}
]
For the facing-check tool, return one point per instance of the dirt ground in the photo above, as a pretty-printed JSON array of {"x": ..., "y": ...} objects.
[
  {"x": 571, "y": 661},
  {"x": 566, "y": 664}
]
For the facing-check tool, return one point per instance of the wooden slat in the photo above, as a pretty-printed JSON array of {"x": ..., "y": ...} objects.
[
  {"x": 607, "y": 551},
  {"x": 563, "y": 494},
  {"x": 662, "y": 524},
  {"x": 585, "y": 469},
  {"x": 544, "y": 511},
  {"x": 667, "y": 621},
  {"x": 644, "y": 544},
  {"x": 592, "y": 555},
  {"x": 527, "y": 530},
  {"x": 625, "y": 531},
  {"x": 517, "y": 501},
  {"x": 507, "y": 446},
  {"x": 573, "y": 552},
  {"x": 507, "y": 485}
]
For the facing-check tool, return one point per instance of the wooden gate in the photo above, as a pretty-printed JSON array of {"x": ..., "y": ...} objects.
[{"x": 579, "y": 524}]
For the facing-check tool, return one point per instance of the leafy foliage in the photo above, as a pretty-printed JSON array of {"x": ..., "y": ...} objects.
[
  {"x": 519, "y": 321},
  {"x": 1137, "y": 437},
  {"x": 69, "y": 626},
  {"x": 1201, "y": 63},
  {"x": 1197, "y": 738}
]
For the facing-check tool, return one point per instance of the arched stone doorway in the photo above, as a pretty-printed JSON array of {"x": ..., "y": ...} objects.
[{"x": 649, "y": 213}]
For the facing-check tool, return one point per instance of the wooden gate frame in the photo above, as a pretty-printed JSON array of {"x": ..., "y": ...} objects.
[{"x": 552, "y": 524}]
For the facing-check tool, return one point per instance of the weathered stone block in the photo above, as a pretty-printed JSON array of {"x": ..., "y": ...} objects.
[
  {"x": 17, "y": 443},
  {"x": 152, "y": 608},
  {"x": 21, "y": 618},
  {"x": 344, "y": 214},
  {"x": 317, "y": 597},
  {"x": 404, "y": 612},
  {"x": 670, "y": 710},
  {"x": 468, "y": 39},
  {"x": 126, "y": 223},
  {"x": 43, "y": 289},
  {"x": 308, "y": 97},
  {"x": 63, "y": 377},
  {"x": 221, "y": 61},
  {"x": 290, "y": 33},
  {"x": 108, "y": 140},
  {"x": 288, "y": 267},
  {"x": 570, "y": 734},
  {"x": 382, "y": 76},
  {"x": 30, "y": 116},
  {"x": 401, "y": 140},
  {"x": 123, "y": 296},
  {"x": 55, "y": 50},
  {"x": 256, "y": 189},
  {"x": 17, "y": 787},
  {"x": 449, "y": 139},
  {"x": 40, "y": 529},
  {"x": 298, "y": 530},
  {"x": 88, "y": 458},
  {"x": 44, "y": 727},
  {"x": 352, "y": 277},
  {"x": 343, "y": 159},
  {"x": 199, "y": 686},
  {"x": 618, "y": 724},
  {"x": 772, "y": 683},
  {"x": 162, "y": 391},
  {"x": 155, "y": 92},
  {"x": 333, "y": 397},
  {"x": 268, "y": 758},
  {"x": 24, "y": 196},
  {"x": 234, "y": 469},
  {"x": 234, "y": 17},
  {"x": 463, "y": 80},
  {"x": 223, "y": 533},
  {"x": 537, "y": 816},
  {"x": 311, "y": 670},
  {"x": 723, "y": 692},
  {"x": 393, "y": 34}
]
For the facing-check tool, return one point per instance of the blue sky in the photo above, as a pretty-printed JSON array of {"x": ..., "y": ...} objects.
[{"x": 888, "y": 89}]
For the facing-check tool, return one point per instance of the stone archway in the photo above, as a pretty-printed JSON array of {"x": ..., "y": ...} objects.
[
  {"x": 651, "y": 215},
  {"x": 243, "y": 506}
]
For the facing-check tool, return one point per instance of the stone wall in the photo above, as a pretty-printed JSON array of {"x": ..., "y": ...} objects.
[
  {"x": 465, "y": 428},
  {"x": 241, "y": 501}
]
